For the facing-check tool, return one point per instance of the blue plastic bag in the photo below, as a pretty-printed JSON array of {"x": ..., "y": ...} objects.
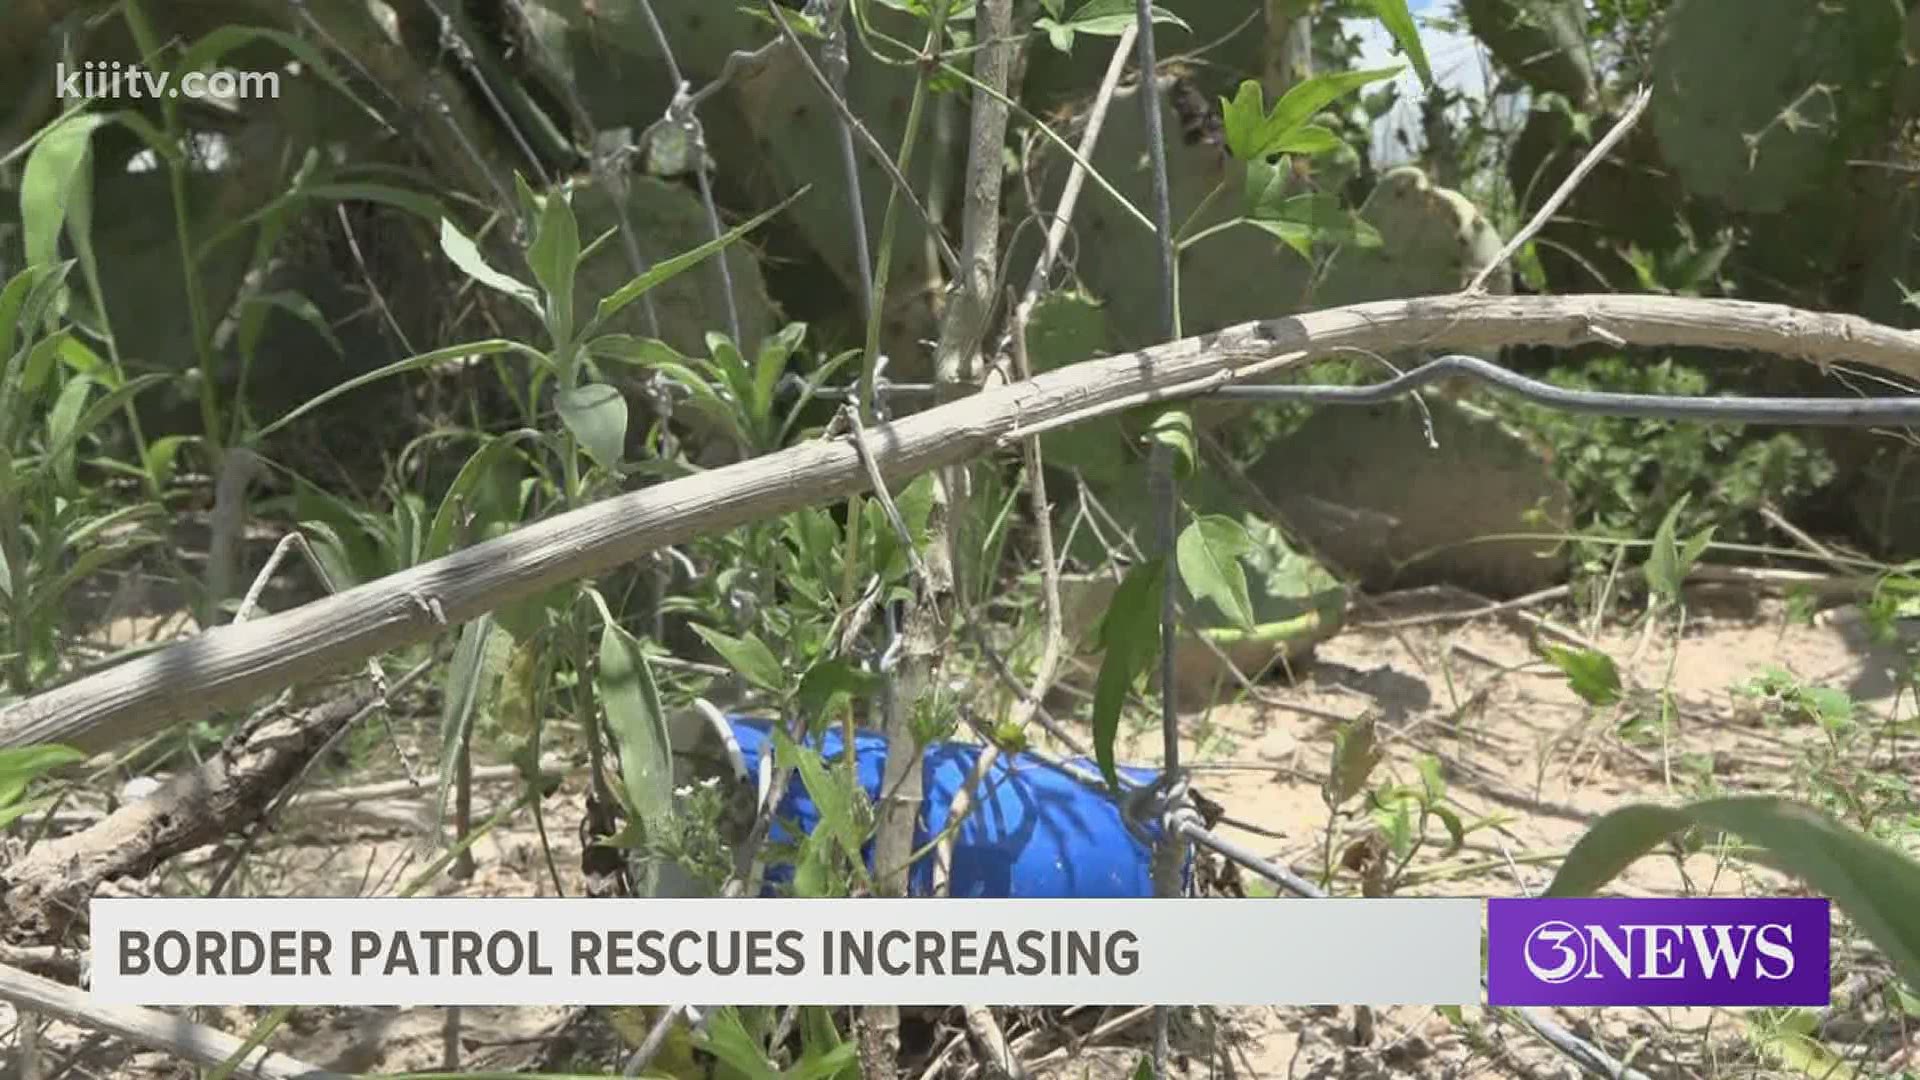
[{"x": 1034, "y": 831}]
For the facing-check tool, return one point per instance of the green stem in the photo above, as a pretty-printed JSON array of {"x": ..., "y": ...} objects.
[
  {"x": 149, "y": 45},
  {"x": 883, "y": 260},
  {"x": 1180, "y": 237},
  {"x": 1212, "y": 230},
  {"x": 18, "y": 638}
]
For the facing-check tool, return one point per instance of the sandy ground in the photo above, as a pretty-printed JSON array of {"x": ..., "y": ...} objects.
[{"x": 1516, "y": 746}]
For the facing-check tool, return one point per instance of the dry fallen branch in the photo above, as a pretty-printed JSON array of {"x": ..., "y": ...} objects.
[
  {"x": 45, "y": 891},
  {"x": 152, "y": 1029},
  {"x": 231, "y": 665}
]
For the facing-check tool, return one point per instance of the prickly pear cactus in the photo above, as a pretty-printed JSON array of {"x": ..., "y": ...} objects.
[
  {"x": 791, "y": 140},
  {"x": 1544, "y": 42},
  {"x": 1630, "y": 198},
  {"x": 1232, "y": 276},
  {"x": 1758, "y": 101},
  {"x": 1433, "y": 240},
  {"x": 668, "y": 219},
  {"x": 1364, "y": 485}
]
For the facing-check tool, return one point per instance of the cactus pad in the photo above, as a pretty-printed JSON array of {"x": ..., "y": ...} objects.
[
  {"x": 1758, "y": 101},
  {"x": 1434, "y": 240},
  {"x": 1544, "y": 42}
]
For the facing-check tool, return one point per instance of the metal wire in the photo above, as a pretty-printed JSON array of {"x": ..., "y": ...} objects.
[
  {"x": 1834, "y": 412},
  {"x": 1830, "y": 411},
  {"x": 1811, "y": 411}
]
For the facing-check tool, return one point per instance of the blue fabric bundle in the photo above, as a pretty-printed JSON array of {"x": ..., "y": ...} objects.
[{"x": 1034, "y": 831}]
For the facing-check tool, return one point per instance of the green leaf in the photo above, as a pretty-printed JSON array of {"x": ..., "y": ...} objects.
[
  {"x": 1173, "y": 429},
  {"x": 844, "y": 813},
  {"x": 20, "y": 766},
  {"x": 1791, "y": 1043},
  {"x": 749, "y": 656},
  {"x": 1065, "y": 327},
  {"x": 467, "y": 686},
  {"x": 106, "y": 405},
  {"x": 468, "y": 494},
  {"x": 1309, "y": 220},
  {"x": 1433, "y": 782},
  {"x": 48, "y": 591},
  {"x": 13, "y": 301},
  {"x": 638, "y": 723},
  {"x": 1671, "y": 560},
  {"x": 723, "y": 356},
  {"x": 886, "y": 554},
  {"x": 771, "y": 363},
  {"x": 62, "y": 427},
  {"x": 1301, "y": 103},
  {"x": 1101, "y": 18},
  {"x": 826, "y": 682},
  {"x": 667, "y": 269},
  {"x": 1307, "y": 140},
  {"x": 799, "y": 22},
  {"x": 253, "y": 318},
  {"x": 1208, "y": 553},
  {"x": 553, "y": 257},
  {"x": 398, "y": 367},
  {"x": 727, "y": 1038},
  {"x": 1356, "y": 753},
  {"x": 11, "y": 814},
  {"x": 425, "y": 207},
  {"x": 813, "y": 868},
  {"x": 466, "y": 255},
  {"x": 1830, "y": 707},
  {"x": 824, "y": 1055},
  {"x": 1393, "y": 15},
  {"x": 1875, "y": 885},
  {"x": 1129, "y": 639},
  {"x": 1243, "y": 117},
  {"x": 1254, "y": 134},
  {"x": 1591, "y": 673},
  {"x": 1456, "y": 832},
  {"x": 596, "y": 413},
  {"x": 53, "y": 177}
]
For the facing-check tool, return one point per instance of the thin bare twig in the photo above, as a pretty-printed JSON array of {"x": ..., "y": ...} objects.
[
  {"x": 1062, "y": 221},
  {"x": 656, "y": 1038},
  {"x": 1565, "y": 191}
]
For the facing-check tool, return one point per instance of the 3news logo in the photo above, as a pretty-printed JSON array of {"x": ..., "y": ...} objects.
[{"x": 1658, "y": 951}]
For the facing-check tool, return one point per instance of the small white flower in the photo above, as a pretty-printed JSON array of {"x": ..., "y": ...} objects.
[{"x": 683, "y": 792}]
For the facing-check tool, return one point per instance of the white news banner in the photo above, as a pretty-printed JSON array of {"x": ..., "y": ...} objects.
[{"x": 461, "y": 951}]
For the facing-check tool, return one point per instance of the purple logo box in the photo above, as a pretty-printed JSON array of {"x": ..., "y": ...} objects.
[{"x": 1658, "y": 951}]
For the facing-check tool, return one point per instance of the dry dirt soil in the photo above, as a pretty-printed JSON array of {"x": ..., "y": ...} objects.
[{"x": 1517, "y": 748}]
